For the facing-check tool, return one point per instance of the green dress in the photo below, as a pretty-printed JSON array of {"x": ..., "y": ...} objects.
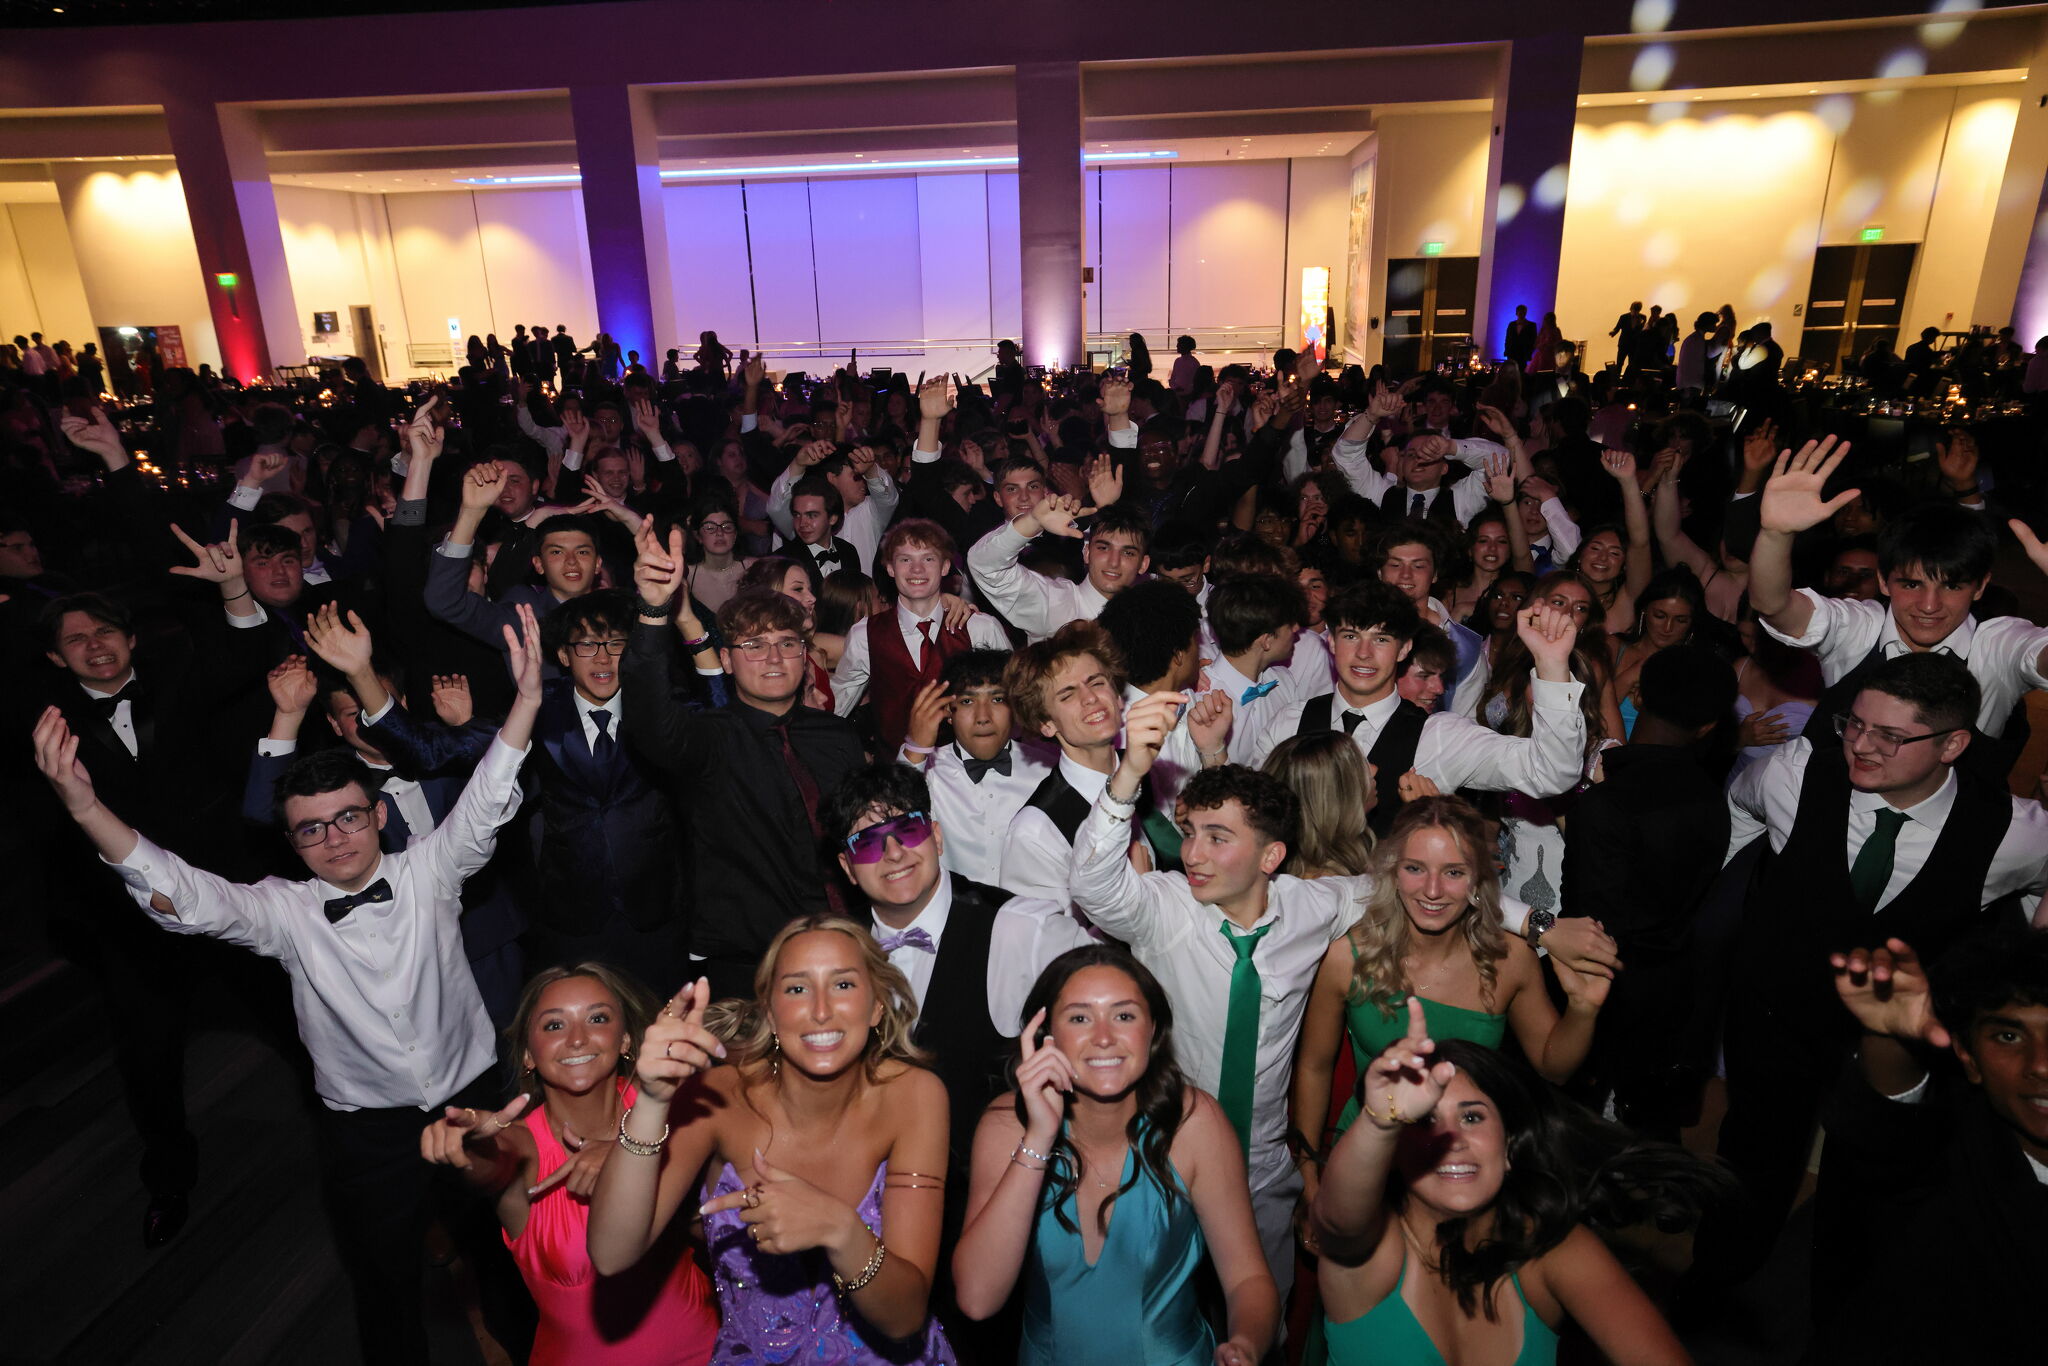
[
  {"x": 1389, "y": 1334},
  {"x": 1373, "y": 1033}
]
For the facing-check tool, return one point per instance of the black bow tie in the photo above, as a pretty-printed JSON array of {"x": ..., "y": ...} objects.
[
  {"x": 339, "y": 906},
  {"x": 977, "y": 769},
  {"x": 105, "y": 707},
  {"x": 826, "y": 555}
]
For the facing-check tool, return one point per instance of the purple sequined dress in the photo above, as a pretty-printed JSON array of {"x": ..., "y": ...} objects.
[{"x": 781, "y": 1308}]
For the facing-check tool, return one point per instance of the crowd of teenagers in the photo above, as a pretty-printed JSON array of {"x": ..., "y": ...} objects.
[{"x": 853, "y": 869}]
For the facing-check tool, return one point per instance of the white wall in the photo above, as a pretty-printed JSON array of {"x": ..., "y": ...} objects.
[
  {"x": 40, "y": 287},
  {"x": 136, "y": 257},
  {"x": 1948, "y": 275}
]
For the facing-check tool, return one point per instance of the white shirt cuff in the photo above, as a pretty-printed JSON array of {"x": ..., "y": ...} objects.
[
  {"x": 378, "y": 715},
  {"x": 247, "y": 623},
  {"x": 1125, "y": 440},
  {"x": 455, "y": 551},
  {"x": 1915, "y": 1094},
  {"x": 277, "y": 749},
  {"x": 244, "y": 497}
]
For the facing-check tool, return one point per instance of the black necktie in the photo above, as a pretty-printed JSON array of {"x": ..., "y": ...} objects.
[
  {"x": 977, "y": 769},
  {"x": 339, "y": 906},
  {"x": 1351, "y": 720},
  {"x": 605, "y": 748}
]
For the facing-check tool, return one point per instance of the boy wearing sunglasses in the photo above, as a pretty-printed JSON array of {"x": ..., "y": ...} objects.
[{"x": 1880, "y": 834}]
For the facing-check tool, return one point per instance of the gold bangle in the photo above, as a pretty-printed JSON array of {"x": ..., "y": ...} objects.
[
  {"x": 1392, "y": 1116},
  {"x": 868, "y": 1272},
  {"x": 635, "y": 1146}
]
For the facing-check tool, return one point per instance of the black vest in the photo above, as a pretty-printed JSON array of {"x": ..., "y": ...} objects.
[
  {"x": 1802, "y": 908},
  {"x": 1990, "y": 758},
  {"x": 1392, "y": 753},
  {"x": 968, "y": 1052},
  {"x": 1437, "y": 506},
  {"x": 1056, "y": 798}
]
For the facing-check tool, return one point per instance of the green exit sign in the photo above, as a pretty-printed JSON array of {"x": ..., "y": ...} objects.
[
  {"x": 227, "y": 280},
  {"x": 1432, "y": 248},
  {"x": 1872, "y": 235}
]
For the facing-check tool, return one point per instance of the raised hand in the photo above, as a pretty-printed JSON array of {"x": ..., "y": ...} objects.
[
  {"x": 927, "y": 710},
  {"x": 1886, "y": 989},
  {"x": 657, "y": 570},
  {"x": 1413, "y": 787},
  {"x": 1208, "y": 721},
  {"x": 423, "y": 435},
  {"x": 452, "y": 702},
  {"x": 580, "y": 1170},
  {"x": 1226, "y": 399},
  {"x": 754, "y": 371},
  {"x": 1146, "y": 725},
  {"x": 482, "y": 485},
  {"x": 220, "y": 563},
  {"x": 861, "y": 459},
  {"x": 1263, "y": 408},
  {"x": 1496, "y": 422},
  {"x": 292, "y": 686},
  {"x": 461, "y": 1133},
  {"x": 646, "y": 419},
  {"x": 1542, "y": 490},
  {"x": 96, "y": 434},
  {"x": 1791, "y": 499},
  {"x": 1550, "y": 633},
  {"x": 2030, "y": 543},
  {"x": 1057, "y": 513},
  {"x": 1114, "y": 396},
  {"x": 1958, "y": 462},
  {"x": 345, "y": 646},
  {"x": 1105, "y": 480},
  {"x": 1760, "y": 447},
  {"x": 1045, "y": 1078},
  {"x": 676, "y": 1045},
  {"x": 577, "y": 427},
  {"x": 1402, "y": 1086},
  {"x": 1500, "y": 479},
  {"x": 785, "y": 1213},
  {"x": 934, "y": 398},
  {"x": 813, "y": 451},
  {"x": 1306, "y": 368},
  {"x": 1619, "y": 463},
  {"x": 522, "y": 653},
  {"x": 57, "y": 756},
  {"x": 264, "y": 466},
  {"x": 958, "y": 611}
]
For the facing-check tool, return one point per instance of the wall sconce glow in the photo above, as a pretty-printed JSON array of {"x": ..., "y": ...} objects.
[
  {"x": 823, "y": 168},
  {"x": 1872, "y": 234}
]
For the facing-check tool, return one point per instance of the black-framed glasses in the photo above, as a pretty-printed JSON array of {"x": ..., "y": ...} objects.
[
  {"x": 788, "y": 647},
  {"x": 716, "y": 528},
  {"x": 587, "y": 649},
  {"x": 910, "y": 829},
  {"x": 348, "y": 820},
  {"x": 1886, "y": 742}
]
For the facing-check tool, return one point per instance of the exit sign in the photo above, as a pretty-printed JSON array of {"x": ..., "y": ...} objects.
[
  {"x": 1872, "y": 235},
  {"x": 1432, "y": 248},
  {"x": 226, "y": 280}
]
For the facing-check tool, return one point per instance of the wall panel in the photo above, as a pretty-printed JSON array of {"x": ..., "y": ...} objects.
[
  {"x": 537, "y": 261},
  {"x": 1132, "y": 274},
  {"x": 441, "y": 269},
  {"x": 1229, "y": 247},
  {"x": 707, "y": 239},
  {"x": 785, "y": 280},
  {"x": 953, "y": 268},
  {"x": 1005, "y": 259},
  {"x": 864, "y": 235},
  {"x": 49, "y": 269}
]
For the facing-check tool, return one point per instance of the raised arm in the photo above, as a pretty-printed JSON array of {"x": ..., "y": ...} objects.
[
  {"x": 1554, "y": 1044},
  {"x": 1500, "y": 489},
  {"x": 1008, "y": 1180},
  {"x": 1635, "y": 518},
  {"x": 1401, "y": 1087},
  {"x": 1791, "y": 503},
  {"x": 1024, "y": 598},
  {"x": 1678, "y": 547},
  {"x": 1111, "y": 893}
]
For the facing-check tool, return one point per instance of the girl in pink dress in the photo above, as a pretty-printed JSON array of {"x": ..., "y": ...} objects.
[{"x": 576, "y": 1028}]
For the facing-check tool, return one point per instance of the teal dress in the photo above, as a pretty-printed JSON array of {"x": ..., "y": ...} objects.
[
  {"x": 1136, "y": 1305},
  {"x": 1389, "y": 1334}
]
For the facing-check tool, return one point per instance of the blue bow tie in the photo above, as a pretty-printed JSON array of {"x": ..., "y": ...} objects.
[
  {"x": 1256, "y": 691},
  {"x": 911, "y": 939}
]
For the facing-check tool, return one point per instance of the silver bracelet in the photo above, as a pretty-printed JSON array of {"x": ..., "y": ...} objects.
[
  {"x": 635, "y": 1146},
  {"x": 1035, "y": 1156}
]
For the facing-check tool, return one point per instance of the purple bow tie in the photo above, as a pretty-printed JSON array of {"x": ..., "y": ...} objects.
[{"x": 915, "y": 939}]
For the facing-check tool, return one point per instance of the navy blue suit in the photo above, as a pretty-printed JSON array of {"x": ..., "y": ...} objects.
[{"x": 491, "y": 918}]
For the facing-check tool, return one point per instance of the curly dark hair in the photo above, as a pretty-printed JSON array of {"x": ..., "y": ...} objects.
[
  {"x": 1565, "y": 1166},
  {"x": 1270, "y": 806},
  {"x": 1161, "y": 1093}
]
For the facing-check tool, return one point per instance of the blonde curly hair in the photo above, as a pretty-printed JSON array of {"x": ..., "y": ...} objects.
[
  {"x": 1383, "y": 936},
  {"x": 749, "y": 1033}
]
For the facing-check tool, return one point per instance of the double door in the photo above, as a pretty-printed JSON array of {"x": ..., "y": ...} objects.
[
  {"x": 1858, "y": 298},
  {"x": 1429, "y": 310}
]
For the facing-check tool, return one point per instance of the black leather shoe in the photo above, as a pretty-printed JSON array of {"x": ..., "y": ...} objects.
[{"x": 165, "y": 1216}]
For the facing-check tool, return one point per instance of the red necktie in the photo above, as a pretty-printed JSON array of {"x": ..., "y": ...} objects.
[
  {"x": 807, "y": 789},
  {"x": 927, "y": 657}
]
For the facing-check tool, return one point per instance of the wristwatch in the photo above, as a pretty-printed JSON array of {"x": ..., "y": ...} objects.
[{"x": 1538, "y": 925}]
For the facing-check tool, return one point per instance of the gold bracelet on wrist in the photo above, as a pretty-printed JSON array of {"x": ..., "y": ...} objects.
[
  {"x": 635, "y": 1146},
  {"x": 868, "y": 1272}
]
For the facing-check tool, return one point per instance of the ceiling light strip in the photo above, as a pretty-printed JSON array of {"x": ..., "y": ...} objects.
[{"x": 823, "y": 168}]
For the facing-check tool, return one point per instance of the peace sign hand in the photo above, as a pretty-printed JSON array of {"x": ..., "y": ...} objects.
[
  {"x": 448, "y": 1140},
  {"x": 220, "y": 563},
  {"x": 1402, "y": 1086},
  {"x": 1045, "y": 1077},
  {"x": 677, "y": 1046}
]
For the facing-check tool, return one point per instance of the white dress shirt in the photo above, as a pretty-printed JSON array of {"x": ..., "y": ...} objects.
[
  {"x": 976, "y": 817},
  {"x": 1455, "y": 751},
  {"x": 612, "y": 707},
  {"x": 850, "y": 679},
  {"x": 1764, "y": 799},
  {"x": 385, "y": 1001},
  {"x": 862, "y": 526},
  {"x": 1033, "y": 603},
  {"x": 1027, "y": 935},
  {"x": 1182, "y": 941},
  {"x": 1036, "y": 858},
  {"x": 2002, "y": 654},
  {"x": 1468, "y": 496},
  {"x": 123, "y": 719}
]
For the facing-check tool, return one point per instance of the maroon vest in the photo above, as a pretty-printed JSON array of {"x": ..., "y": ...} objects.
[{"x": 893, "y": 675}]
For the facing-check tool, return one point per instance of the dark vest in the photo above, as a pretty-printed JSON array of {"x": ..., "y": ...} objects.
[
  {"x": 1437, "y": 507},
  {"x": 1990, "y": 758},
  {"x": 1802, "y": 907},
  {"x": 1056, "y": 798},
  {"x": 894, "y": 678},
  {"x": 1392, "y": 753},
  {"x": 967, "y": 1051}
]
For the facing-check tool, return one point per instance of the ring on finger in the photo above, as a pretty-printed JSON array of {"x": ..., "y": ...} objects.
[{"x": 666, "y": 1051}]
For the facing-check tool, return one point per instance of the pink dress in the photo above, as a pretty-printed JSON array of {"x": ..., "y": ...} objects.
[{"x": 660, "y": 1313}]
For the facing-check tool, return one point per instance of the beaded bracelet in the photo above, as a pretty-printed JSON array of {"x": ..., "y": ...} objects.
[
  {"x": 868, "y": 1272},
  {"x": 635, "y": 1146},
  {"x": 698, "y": 643},
  {"x": 1035, "y": 1156}
]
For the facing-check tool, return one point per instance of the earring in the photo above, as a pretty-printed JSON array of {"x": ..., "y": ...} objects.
[{"x": 775, "y": 1056}]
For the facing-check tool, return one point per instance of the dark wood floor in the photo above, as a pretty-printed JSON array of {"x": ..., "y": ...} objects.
[{"x": 252, "y": 1279}]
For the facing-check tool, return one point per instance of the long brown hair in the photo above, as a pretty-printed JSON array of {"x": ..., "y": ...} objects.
[
  {"x": 1380, "y": 941},
  {"x": 1509, "y": 679},
  {"x": 1327, "y": 773},
  {"x": 636, "y": 1011}
]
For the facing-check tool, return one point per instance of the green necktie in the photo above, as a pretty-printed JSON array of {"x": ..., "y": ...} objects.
[
  {"x": 1160, "y": 831},
  {"x": 1241, "y": 1035},
  {"x": 1873, "y": 866}
]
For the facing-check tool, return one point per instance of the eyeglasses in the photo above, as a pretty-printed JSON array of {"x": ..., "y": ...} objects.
[
  {"x": 909, "y": 830},
  {"x": 587, "y": 649},
  {"x": 785, "y": 648},
  {"x": 716, "y": 528},
  {"x": 1886, "y": 742},
  {"x": 348, "y": 820}
]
